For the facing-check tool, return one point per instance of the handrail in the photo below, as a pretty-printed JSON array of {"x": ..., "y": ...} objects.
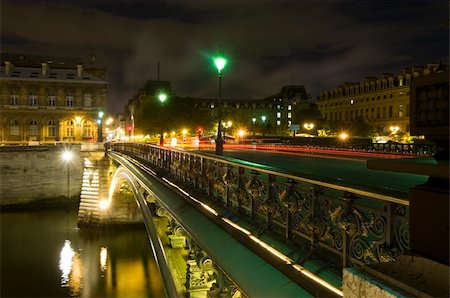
[
  {"x": 273, "y": 171},
  {"x": 359, "y": 225},
  {"x": 157, "y": 246}
]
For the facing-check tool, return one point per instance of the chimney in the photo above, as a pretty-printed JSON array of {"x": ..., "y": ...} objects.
[
  {"x": 79, "y": 70},
  {"x": 8, "y": 67},
  {"x": 44, "y": 69}
]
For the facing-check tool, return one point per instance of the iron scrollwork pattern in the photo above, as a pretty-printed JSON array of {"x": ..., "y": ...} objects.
[{"x": 360, "y": 229}]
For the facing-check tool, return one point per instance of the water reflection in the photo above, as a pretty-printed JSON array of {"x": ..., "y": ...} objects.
[
  {"x": 71, "y": 262},
  {"x": 65, "y": 262},
  {"x": 103, "y": 258}
]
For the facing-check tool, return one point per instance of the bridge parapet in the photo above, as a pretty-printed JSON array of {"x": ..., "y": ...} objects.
[{"x": 358, "y": 226}]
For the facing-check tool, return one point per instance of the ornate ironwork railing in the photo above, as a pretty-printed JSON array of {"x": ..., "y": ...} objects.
[{"x": 357, "y": 225}]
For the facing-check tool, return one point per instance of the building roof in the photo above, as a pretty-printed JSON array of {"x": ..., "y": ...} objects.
[{"x": 53, "y": 75}]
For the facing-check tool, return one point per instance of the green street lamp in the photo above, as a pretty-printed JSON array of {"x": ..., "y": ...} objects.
[
  {"x": 162, "y": 98},
  {"x": 220, "y": 63}
]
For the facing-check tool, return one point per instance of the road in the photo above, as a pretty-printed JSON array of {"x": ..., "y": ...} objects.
[{"x": 350, "y": 171}]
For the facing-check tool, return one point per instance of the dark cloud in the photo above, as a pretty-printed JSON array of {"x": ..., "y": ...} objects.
[{"x": 319, "y": 44}]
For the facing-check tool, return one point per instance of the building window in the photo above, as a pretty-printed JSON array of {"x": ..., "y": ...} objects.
[
  {"x": 69, "y": 128},
  {"x": 400, "y": 110},
  {"x": 212, "y": 105},
  {"x": 51, "y": 100},
  {"x": 51, "y": 128},
  {"x": 33, "y": 100},
  {"x": 87, "y": 102},
  {"x": 14, "y": 99},
  {"x": 278, "y": 122},
  {"x": 69, "y": 100},
  {"x": 88, "y": 132},
  {"x": 400, "y": 82},
  {"x": 33, "y": 128},
  {"x": 391, "y": 113},
  {"x": 278, "y": 115},
  {"x": 14, "y": 127},
  {"x": 278, "y": 107},
  {"x": 289, "y": 122},
  {"x": 384, "y": 112},
  {"x": 351, "y": 101},
  {"x": 289, "y": 115},
  {"x": 289, "y": 107}
]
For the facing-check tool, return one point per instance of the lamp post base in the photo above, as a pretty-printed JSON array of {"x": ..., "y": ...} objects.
[{"x": 219, "y": 146}]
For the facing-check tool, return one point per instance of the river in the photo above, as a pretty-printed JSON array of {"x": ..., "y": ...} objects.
[{"x": 44, "y": 254}]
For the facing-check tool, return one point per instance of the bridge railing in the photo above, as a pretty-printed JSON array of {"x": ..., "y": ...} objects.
[{"x": 357, "y": 225}]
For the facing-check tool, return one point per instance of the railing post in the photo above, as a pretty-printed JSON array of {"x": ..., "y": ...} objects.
[
  {"x": 271, "y": 193},
  {"x": 291, "y": 207}
]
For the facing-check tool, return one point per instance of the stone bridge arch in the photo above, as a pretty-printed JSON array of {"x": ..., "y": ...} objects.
[{"x": 110, "y": 196}]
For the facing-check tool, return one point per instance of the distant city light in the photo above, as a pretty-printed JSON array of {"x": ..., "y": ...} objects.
[{"x": 343, "y": 136}]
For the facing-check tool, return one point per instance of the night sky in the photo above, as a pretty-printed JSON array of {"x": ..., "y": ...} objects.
[{"x": 318, "y": 44}]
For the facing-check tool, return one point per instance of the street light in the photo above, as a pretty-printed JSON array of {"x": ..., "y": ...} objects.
[
  {"x": 308, "y": 127},
  {"x": 220, "y": 63},
  {"x": 226, "y": 125},
  {"x": 162, "y": 98},
  {"x": 67, "y": 156},
  {"x": 253, "y": 126},
  {"x": 100, "y": 129},
  {"x": 263, "y": 119}
]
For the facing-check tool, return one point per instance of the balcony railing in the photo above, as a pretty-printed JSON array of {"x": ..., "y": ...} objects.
[{"x": 358, "y": 225}]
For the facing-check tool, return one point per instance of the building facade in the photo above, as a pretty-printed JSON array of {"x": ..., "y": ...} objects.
[
  {"x": 49, "y": 100},
  {"x": 383, "y": 103},
  {"x": 274, "y": 114}
]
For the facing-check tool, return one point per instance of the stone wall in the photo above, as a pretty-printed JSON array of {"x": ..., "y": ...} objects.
[{"x": 30, "y": 174}]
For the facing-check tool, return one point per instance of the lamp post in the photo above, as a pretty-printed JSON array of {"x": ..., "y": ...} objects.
[
  {"x": 220, "y": 63},
  {"x": 100, "y": 129},
  {"x": 162, "y": 98},
  {"x": 263, "y": 119},
  {"x": 67, "y": 156},
  {"x": 308, "y": 127}
]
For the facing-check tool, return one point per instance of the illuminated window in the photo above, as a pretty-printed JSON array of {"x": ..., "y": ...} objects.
[
  {"x": 289, "y": 107},
  {"x": 69, "y": 128},
  {"x": 289, "y": 115},
  {"x": 51, "y": 128},
  {"x": 289, "y": 122},
  {"x": 400, "y": 83},
  {"x": 278, "y": 122},
  {"x": 400, "y": 110},
  {"x": 87, "y": 129},
  {"x": 278, "y": 107},
  {"x": 212, "y": 105},
  {"x": 278, "y": 115},
  {"x": 351, "y": 101}
]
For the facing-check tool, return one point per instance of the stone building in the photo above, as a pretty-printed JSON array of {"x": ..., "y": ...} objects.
[
  {"x": 50, "y": 99},
  {"x": 382, "y": 102},
  {"x": 279, "y": 109}
]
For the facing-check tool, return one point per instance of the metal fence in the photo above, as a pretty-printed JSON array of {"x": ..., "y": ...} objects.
[{"x": 357, "y": 225}]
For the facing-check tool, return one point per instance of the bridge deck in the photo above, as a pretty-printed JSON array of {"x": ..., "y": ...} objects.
[{"x": 246, "y": 267}]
